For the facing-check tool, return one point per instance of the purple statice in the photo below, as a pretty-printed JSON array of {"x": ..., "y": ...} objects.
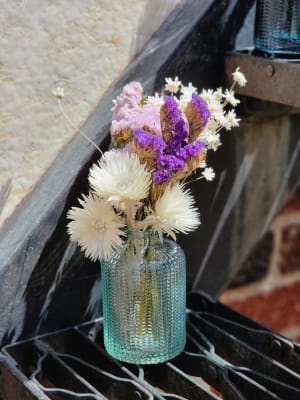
[
  {"x": 161, "y": 176},
  {"x": 145, "y": 139},
  {"x": 166, "y": 167},
  {"x": 202, "y": 108},
  {"x": 177, "y": 150},
  {"x": 189, "y": 150},
  {"x": 171, "y": 162},
  {"x": 198, "y": 114},
  {"x": 172, "y": 110},
  {"x": 193, "y": 149},
  {"x": 172, "y": 150},
  {"x": 173, "y": 126}
]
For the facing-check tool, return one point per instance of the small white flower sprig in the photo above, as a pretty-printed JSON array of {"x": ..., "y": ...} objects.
[{"x": 141, "y": 184}]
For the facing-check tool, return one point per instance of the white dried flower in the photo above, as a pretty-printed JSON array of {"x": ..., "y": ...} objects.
[
  {"x": 239, "y": 77},
  {"x": 220, "y": 118},
  {"x": 232, "y": 120},
  {"x": 120, "y": 178},
  {"x": 95, "y": 227},
  {"x": 215, "y": 106},
  {"x": 58, "y": 92},
  {"x": 202, "y": 136},
  {"x": 202, "y": 164},
  {"x": 187, "y": 91},
  {"x": 213, "y": 141},
  {"x": 207, "y": 95},
  {"x": 229, "y": 98},
  {"x": 183, "y": 102},
  {"x": 186, "y": 96},
  {"x": 172, "y": 85},
  {"x": 218, "y": 94},
  {"x": 208, "y": 174},
  {"x": 212, "y": 125},
  {"x": 156, "y": 99},
  {"x": 174, "y": 212}
]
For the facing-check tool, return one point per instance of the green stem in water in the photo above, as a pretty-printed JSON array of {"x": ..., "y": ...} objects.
[{"x": 148, "y": 313}]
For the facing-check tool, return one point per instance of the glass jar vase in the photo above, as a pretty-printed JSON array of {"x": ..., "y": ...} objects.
[
  {"x": 277, "y": 27},
  {"x": 144, "y": 299}
]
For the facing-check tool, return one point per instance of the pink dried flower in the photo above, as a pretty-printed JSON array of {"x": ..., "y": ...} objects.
[
  {"x": 146, "y": 117},
  {"x": 131, "y": 97}
]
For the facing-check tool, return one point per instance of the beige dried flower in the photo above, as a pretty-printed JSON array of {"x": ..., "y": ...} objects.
[{"x": 239, "y": 77}]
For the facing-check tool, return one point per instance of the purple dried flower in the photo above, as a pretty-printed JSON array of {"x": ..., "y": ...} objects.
[
  {"x": 172, "y": 122},
  {"x": 198, "y": 114},
  {"x": 193, "y": 149},
  {"x": 144, "y": 139},
  {"x": 161, "y": 176},
  {"x": 170, "y": 162},
  {"x": 190, "y": 150},
  {"x": 166, "y": 166},
  {"x": 172, "y": 110},
  {"x": 201, "y": 107},
  {"x": 181, "y": 153}
]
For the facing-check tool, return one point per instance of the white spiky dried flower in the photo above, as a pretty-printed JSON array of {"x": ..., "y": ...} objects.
[
  {"x": 174, "y": 212},
  {"x": 119, "y": 177},
  {"x": 95, "y": 227}
]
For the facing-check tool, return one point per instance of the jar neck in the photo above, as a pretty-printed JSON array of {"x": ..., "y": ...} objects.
[{"x": 151, "y": 236}]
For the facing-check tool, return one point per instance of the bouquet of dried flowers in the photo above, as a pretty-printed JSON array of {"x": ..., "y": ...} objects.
[{"x": 141, "y": 184}]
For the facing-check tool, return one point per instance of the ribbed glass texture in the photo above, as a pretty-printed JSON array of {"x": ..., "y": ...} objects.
[
  {"x": 277, "y": 26},
  {"x": 144, "y": 300}
]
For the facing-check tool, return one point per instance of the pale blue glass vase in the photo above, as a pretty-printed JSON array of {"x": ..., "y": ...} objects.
[
  {"x": 277, "y": 27},
  {"x": 144, "y": 300}
]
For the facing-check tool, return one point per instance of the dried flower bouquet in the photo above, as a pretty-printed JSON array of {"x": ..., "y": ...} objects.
[{"x": 160, "y": 141}]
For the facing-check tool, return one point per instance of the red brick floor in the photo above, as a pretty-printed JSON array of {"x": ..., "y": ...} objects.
[{"x": 278, "y": 309}]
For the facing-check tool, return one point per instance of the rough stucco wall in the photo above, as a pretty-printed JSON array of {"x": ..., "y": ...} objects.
[{"x": 82, "y": 46}]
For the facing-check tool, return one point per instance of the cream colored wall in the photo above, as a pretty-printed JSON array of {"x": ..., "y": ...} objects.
[{"x": 82, "y": 46}]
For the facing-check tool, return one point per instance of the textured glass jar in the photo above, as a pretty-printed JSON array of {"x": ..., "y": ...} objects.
[
  {"x": 144, "y": 300},
  {"x": 277, "y": 26}
]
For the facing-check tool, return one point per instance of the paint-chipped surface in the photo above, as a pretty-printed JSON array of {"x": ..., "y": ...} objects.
[{"x": 82, "y": 46}]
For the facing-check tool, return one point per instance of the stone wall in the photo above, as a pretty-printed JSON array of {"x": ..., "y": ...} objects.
[{"x": 82, "y": 46}]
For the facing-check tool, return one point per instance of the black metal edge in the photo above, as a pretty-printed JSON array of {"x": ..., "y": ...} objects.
[
  {"x": 14, "y": 382},
  {"x": 231, "y": 380}
]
